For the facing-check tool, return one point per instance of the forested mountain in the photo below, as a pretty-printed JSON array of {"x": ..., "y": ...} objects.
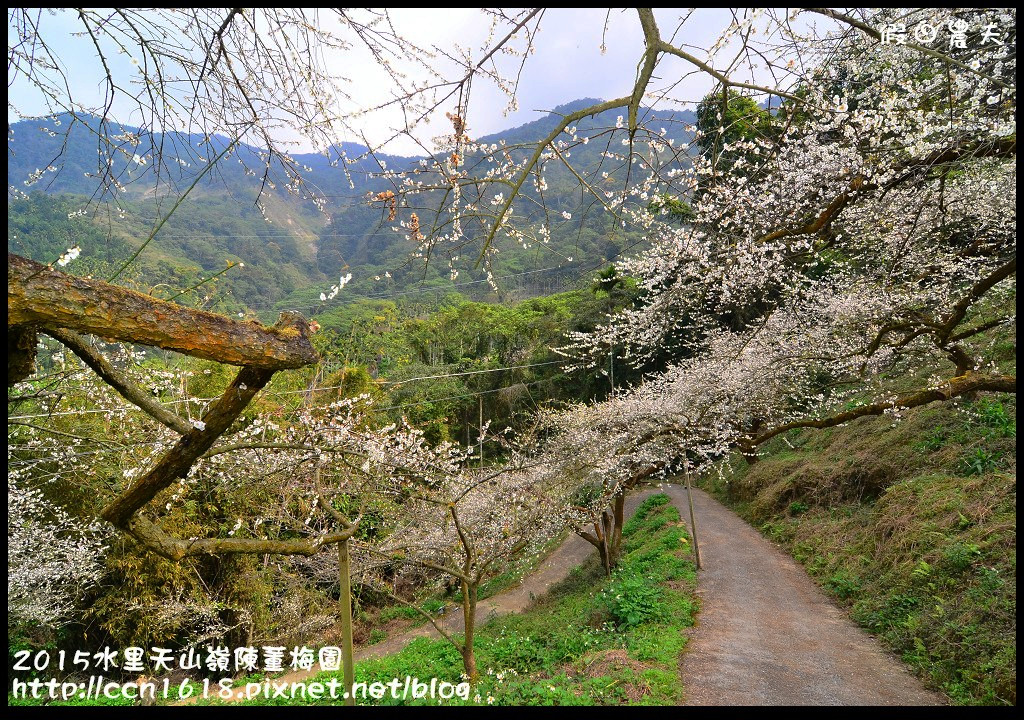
[{"x": 291, "y": 251}]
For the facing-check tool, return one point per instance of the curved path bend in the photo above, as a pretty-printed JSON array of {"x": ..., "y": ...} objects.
[
  {"x": 556, "y": 567},
  {"x": 767, "y": 635}
]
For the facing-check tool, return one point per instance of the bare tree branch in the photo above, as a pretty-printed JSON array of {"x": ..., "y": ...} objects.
[
  {"x": 125, "y": 387},
  {"x": 953, "y": 388},
  {"x": 156, "y": 539},
  {"x": 180, "y": 459}
]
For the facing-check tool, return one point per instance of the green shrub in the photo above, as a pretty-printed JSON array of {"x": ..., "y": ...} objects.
[
  {"x": 960, "y": 556},
  {"x": 979, "y": 462},
  {"x": 398, "y": 611},
  {"x": 934, "y": 440},
  {"x": 843, "y": 585},
  {"x": 633, "y": 600},
  {"x": 993, "y": 414}
]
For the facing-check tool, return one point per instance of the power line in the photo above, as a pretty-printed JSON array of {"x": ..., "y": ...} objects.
[
  {"x": 306, "y": 391},
  {"x": 459, "y": 397},
  {"x": 471, "y": 372},
  {"x": 98, "y": 410},
  {"x": 425, "y": 377},
  {"x": 379, "y": 409},
  {"x": 70, "y": 456}
]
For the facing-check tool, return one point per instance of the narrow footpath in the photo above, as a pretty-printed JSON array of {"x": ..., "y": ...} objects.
[{"x": 767, "y": 635}]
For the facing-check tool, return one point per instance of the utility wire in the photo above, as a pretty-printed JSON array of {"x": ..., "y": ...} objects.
[
  {"x": 157, "y": 442},
  {"x": 308, "y": 390},
  {"x": 458, "y": 397},
  {"x": 470, "y": 372}
]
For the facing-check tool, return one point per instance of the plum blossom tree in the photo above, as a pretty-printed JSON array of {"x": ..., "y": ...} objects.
[
  {"x": 252, "y": 76},
  {"x": 460, "y": 524},
  {"x": 866, "y": 224},
  {"x": 890, "y": 209},
  {"x": 442, "y": 518},
  {"x": 52, "y": 558},
  {"x": 863, "y": 230}
]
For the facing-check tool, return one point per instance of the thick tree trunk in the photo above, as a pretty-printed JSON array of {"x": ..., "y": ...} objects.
[
  {"x": 964, "y": 364},
  {"x": 748, "y": 447},
  {"x": 21, "y": 353},
  {"x": 618, "y": 520},
  {"x": 607, "y": 535},
  {"x": 606, "y": 562},
  {"x": 597, "y": 539},
  {"x": 603, "y": 530},
  {"x": 749, "y": 454},
  {"x": 39, "y": 296}
]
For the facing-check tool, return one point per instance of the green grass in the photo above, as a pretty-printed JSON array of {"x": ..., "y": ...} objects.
[
  {"x": 589, "y": 641},
  {"x": 912, "y": 527}
]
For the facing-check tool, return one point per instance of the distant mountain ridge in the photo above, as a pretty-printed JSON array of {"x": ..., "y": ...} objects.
[
  {"x": 293, "y": 257},
  {"x": 35, "y": 144}
]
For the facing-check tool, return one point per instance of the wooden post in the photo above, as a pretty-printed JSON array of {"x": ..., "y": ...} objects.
[
  {"x": 693, "y": 520},
  {"x": 611, "y": 366},
  {"x": 347, "y": 656}
]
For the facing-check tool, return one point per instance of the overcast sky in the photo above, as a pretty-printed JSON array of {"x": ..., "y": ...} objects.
[{"x": 568, "y": 64}]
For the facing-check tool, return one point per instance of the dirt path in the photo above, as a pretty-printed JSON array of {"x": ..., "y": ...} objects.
[
  {"x": 553, "y": 569},
  {"x": 767, "y": 635}
]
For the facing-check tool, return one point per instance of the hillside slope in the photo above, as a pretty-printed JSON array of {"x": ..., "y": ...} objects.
[{"x": 912, "y": 526}]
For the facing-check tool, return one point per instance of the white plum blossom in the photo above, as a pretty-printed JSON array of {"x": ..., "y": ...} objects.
[
  {"x": 52, "y": 558},
  {"x": 68, "y": 255}
]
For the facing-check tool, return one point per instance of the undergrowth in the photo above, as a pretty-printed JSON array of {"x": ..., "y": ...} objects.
[{"x": 591, "y": 640}]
